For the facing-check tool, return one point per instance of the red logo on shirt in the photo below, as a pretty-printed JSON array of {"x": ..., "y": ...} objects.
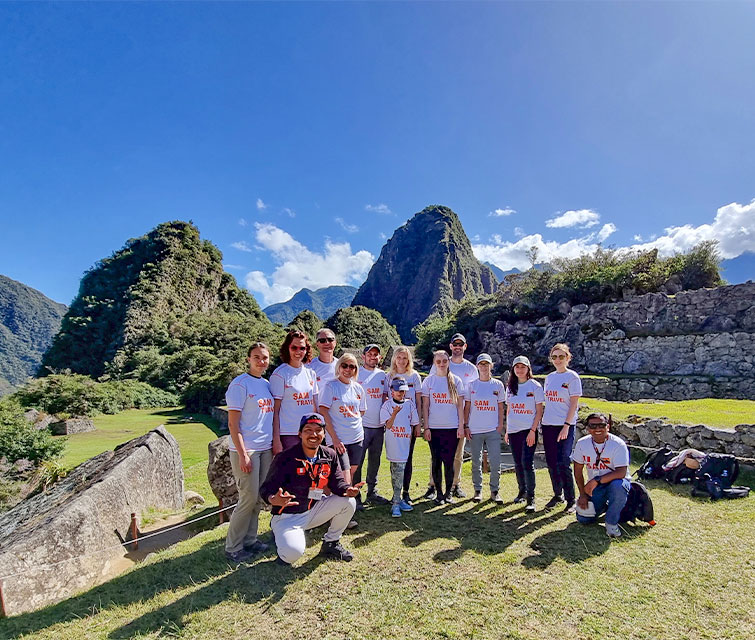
[{"x": 565, "y": 385}]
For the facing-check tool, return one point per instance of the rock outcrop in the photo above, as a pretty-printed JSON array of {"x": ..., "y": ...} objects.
[
  {"x": 61, "y": 541},
  {"x": 430, "y": 256},
  {"x": 220, "y": 473},
  {"x": 70, "y": 426}
]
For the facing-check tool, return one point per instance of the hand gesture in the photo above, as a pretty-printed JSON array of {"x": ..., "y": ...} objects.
[
  {"x": 282, "y": 499},
  {"x": 396, "y": 409},
  {"x": 352, "y": 492}
]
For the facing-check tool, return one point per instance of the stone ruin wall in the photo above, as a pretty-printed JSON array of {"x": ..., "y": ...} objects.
[{"x": 693, "y": 344}]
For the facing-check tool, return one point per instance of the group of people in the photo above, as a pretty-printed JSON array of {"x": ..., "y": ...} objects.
[{"x": 299, "y": 442}]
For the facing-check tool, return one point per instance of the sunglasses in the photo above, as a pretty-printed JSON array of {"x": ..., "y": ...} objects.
[
  {"x": 351, "y": 367},
  {"x": 293, "y": 348},
  {"x": 457, "y": 344},
  {"x": 558, "y": 357},
  {"x": 597, "y": 425},
  {"x": 324, "y": 340}
]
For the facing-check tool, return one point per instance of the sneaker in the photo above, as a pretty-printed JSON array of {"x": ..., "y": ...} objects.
[
  {"x": 613, "y": 530},
  {"x": 335, "y": 551},
  {"x": 553, "y": 502},
  {"x": 429, "y": 494},
  {"x": 256, "y": 547},
  {"x": 530, "y": 505},
  {"x": 495, "y": 497},
  {"x": 477, "y": 496},
  {"x": 449, "y": 499},
  {"x": 238, "y": 556},
  {"x": 405, "y": 498},
  {"x": 520, "y": 497},
  {"x": 396, "y": 511},
  {"x": 352, "y": 524},
  {"x": 405, "y": 506},
  {"x": 360, "y": 505},
  {"x": 438, "y": 501},
  {"x": 458, "y": 492},
  {"x": 571, "y": 507},
  {"x": 377, "y": 499}
]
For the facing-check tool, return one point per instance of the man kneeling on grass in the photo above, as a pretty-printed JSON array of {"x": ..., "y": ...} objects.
[
  {"x": 606, "y": 457},
  {"x": 295, "y": 488}
]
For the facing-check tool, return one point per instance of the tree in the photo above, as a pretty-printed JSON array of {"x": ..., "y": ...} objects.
[{"x": 358, "y": 326}]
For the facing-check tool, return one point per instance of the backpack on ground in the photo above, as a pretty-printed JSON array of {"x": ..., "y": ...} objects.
[
  {"x": 639, "y": 506},
  {"x": 719, "y": 468},
  {"x": 680, "y": 474},
  {"x": 653, "y": 465}
]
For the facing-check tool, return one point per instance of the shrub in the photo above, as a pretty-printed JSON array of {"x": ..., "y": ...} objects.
[
  {"x": 20, "y": 440},
  {"x": 359, "y": 326}
]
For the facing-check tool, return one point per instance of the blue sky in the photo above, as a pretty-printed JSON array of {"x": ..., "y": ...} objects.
[{"x": 299, "y": 136}]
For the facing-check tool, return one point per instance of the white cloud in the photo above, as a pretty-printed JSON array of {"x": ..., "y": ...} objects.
[
  {"x": 242, "y": 245},
  {"x": 378, "y": 208},
  {"x": 637, "y": 237},
  {"x": 383, "y": 236},
  {"x": 579, "y": 218},
  {"x": 298, "y": 266},
  {"x": 348, "y": 228},
  {"x": 243, "y": 222},
  {"x": 261, "y": 206},
  {"x": 289, "y": 212},
  {"x": 518, "y": 232},
  {"x": 605, "y": 231},
  {"x": 507, "y": 255},
  {"x": 498, "y": 213},
  {"x": 233, "y": 267}
]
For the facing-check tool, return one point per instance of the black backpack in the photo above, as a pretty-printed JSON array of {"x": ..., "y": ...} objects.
[
  {"x": 639, "y": 506},
  {"x": 716, "y": 476},
  {"x": 653, "y": 465}
]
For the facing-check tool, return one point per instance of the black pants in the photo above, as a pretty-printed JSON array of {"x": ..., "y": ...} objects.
[
  {"x": 408, "y": 467},
  {"x": 558, "y": 458},
  {"x": 443, "y": 443},
  {"x": 372, "y": 449},
  {"x": 524, "y": 461}
]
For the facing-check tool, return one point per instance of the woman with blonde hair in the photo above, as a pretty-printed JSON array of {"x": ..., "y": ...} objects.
[
  {"x": 402, "y": 365},
  {"x": 443, "y": 414}
]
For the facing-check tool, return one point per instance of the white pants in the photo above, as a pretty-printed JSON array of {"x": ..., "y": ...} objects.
[{"x": 289, "y": 528}]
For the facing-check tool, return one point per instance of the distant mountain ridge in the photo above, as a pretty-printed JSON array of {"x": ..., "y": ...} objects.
[
  {"x": 323, "y": 302},
  {"x": 28, "y": 322},
  {"x": 425, "y": 267}
]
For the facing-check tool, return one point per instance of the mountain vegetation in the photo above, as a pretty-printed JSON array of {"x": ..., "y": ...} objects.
[
  {"x": 603, "y": 276},
  {"x": 28, "y": 322},
  {"x": 308, "y": 322},
  {"x": 359, "y": 326},
  {"x": 322, "y": 302},
  {"x": 424, "y": 269}
]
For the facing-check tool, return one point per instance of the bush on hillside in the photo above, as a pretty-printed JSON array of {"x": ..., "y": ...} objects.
[
  {"x": 359, "y": 326},
  {"x": 19, "y": 440},
  {"x": 308, "y": 322}
]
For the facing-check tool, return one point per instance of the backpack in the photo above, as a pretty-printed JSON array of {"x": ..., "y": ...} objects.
[
  {"x": 653, "y": 465},
  {"x": 639, "y": 506},
  {"x": 717, "y": 468},
  {"x": 680, "y": 474}
]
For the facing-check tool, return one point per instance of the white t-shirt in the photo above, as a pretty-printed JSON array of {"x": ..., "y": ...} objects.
[
  {"x": 521, "y": 408},
  {"x": 442, "y": 412},
  {"x": 252, "y": 397},
  {"x": 297, "y": 390},
  {"x": 615, "y": 454},
  {"x": 374, "y": 383},
  {"x": 559, "y": 387},
  {"x": 345, "y": 403},
  {"x": 464, "y": 370},
  {"x": 325, "y": 371},
  {"x": 484, "y": 398},
  {"x": 399, "y": 437},
  {"x": 415, "y": 385}
]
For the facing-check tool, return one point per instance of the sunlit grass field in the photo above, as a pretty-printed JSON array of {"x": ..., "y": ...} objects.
[{"x": 712, "y": 412}]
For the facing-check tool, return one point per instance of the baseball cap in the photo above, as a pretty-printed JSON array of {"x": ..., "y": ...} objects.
[
  {"x": 484, "y": 357},
  {"x": 371, "y": 346},
  {"x": 589, "y": 512},
  {"x": 522, "y": 360},
  {"x": 458, "y": 336},
  {"x": 311, "y": 418},
  {"x": 399, "y": 384}
]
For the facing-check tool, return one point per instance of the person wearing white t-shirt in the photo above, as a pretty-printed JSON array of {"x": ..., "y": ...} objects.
[
  {"x": 402, "y": 365},
  {"x": 525, "y": 402},
  {"x": 483, "y": 423},
  {"x": 373, "y": 380},
  {"x": 443, "y": 416},
  {"x": 401, "y": 425},
  {"x": 250, "y": 421},
  {"x": 324, "y": 365},
  {"x": 563, "y": 389},
  {"x": 294, "y": 388},
  {"x": 606, "y": 458},
  {"x": 466, "y": 372}
]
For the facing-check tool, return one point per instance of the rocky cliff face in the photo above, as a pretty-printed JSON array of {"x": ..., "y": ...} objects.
[{"x": 425, "y": 266}]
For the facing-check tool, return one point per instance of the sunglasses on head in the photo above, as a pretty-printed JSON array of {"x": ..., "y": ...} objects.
[
  {"x": 324, "y": 340},
  {"x": 347, "y": 365},
  {"x": 597, "y": 425}
]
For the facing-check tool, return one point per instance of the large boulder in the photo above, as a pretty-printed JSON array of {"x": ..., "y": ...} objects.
[
  {"x": 65, "y": 539},
  {"x": 71, "y": 425},
  {"x": 219, "y": 472}
]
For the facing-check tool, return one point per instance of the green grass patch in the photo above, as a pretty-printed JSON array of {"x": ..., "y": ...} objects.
[{"x": 712, "y": 412}]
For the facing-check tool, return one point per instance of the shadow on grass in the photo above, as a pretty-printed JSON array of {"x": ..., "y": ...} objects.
[{"x": 179, "y": 416}]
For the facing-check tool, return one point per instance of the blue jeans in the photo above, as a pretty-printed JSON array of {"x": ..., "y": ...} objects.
[{"x": 610, "y": 498}]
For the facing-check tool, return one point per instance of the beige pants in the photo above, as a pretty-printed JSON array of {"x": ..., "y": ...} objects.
[{"x": 243, "y": 528}]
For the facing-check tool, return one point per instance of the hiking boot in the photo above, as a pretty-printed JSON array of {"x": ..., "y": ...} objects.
[
  {"x": 335, "y": 551},
  {"x": 530, "y": 505},
  {"x": 405, "y": 498},
  {"x": 238, "y": 556},
  {"x": 553, "y": 502},
  {"x": 429, "y": 494},
  {"x": 352, "y": 524},
  {"x": 405, "y": 506},
  {"x": 396, "y": 511},
  {"x": 477, "y": 496},
  {"x": 495, "y": 497},
  {"x": 376, "y": 499},
  {"x": 570, "y": 507},
  {"x": 458, "y": 492},
  {"x": 520, "y": 497},
  {"x": 256, "y": 547},
  {"x": 613, "y": 530}
]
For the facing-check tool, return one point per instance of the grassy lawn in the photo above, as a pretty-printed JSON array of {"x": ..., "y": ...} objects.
[
  {"x": 708, "y": 411},
  {"x": 460, "y": 571},
  {"x": 192, "y": 436}
]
